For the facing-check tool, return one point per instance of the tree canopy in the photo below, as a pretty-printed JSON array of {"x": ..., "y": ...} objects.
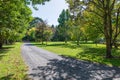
[
  {"x": 14, "y": 19},
  {"x": 15, "y": 16},
  {"x": 106, "y": 12}
]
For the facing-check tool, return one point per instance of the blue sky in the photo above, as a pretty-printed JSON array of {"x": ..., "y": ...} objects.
[{"x": 50, "y": 11}]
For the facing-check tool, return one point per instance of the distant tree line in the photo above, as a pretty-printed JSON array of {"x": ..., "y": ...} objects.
[{"x": 39, "y": 31}]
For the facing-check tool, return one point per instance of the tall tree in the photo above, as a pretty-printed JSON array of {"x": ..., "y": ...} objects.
[
  {"x": 76, "y": 18},
  {"x": 48, "y": 34},
  {"x": 63, "y": 26},
  {"x": 107, "y": 11},
  {"x": 93, "y": 28},
  {"x": 15, "y": 16},
  {"x": 41, "y": 26}
]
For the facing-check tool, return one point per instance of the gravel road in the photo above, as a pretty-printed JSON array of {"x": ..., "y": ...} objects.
[{"x": 45, "y": 65}]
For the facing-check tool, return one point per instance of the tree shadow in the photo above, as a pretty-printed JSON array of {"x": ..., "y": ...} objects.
[
  {"x": 53, "y": 44},
  {"x": 8, "y": 77},
  {"x": 6, "y": 47},
  {"x": 65, "y": 45},
  {"x": 97, "y": 54},
  {"x": 92, "y": 51},
  {"x": 81, "y": 42},
  {"x": 72, "y": 69},
  {"x": 30, "y": 44},
  {"x": 12, "y": 77},
  {"x": 4, "y": 50},
  {"x": 74, "y": 46},
  {"x": 71, "y": 45}
]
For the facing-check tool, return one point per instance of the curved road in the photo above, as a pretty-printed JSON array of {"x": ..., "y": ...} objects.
[{"x": 45, "y": 65}]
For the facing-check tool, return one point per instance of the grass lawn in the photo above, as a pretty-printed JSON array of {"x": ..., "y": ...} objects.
[
  {"x": 12, "y": 66},
  {"x": 89, "y": 52}
]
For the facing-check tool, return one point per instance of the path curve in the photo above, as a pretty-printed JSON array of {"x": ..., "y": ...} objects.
[{"x": 45, "y": 65}]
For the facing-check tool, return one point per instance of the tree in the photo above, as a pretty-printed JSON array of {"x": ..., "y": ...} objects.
[
  {"x": 93, "y": 27},
  {"x": 15, "y": 16},
  {"x": 31, "y": 33},
  {"x": 63, "y": 26},
  {"x": 40, "y": 28},
  {"x": 77, "y": 19},
  {"x": 48, "y": 34},
  {"x": 14, "y": 19},
  {"x": 107, "y": 11},
  {"x": 109, "y": 8}
]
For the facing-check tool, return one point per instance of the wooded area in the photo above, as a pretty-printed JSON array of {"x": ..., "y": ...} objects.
[
  {"x": 15, "y": 17},
  {"x": 86, "y": 40},
  {"x": 85, "y": 20}
]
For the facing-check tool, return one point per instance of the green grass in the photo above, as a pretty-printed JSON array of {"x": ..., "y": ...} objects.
[
  {"x": 12, "y": 66},
  {"x": 89, "y": 52}
]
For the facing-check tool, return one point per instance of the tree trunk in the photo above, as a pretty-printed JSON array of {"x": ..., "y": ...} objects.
[
  {"x": 42, "y": 35},
  {"x": 86, "y": 40},
  {"x": 108, "y": 31},
  {"x": 78, "y": 43},
  {"x": 1, "y": 45},
  {"x": 7, "y": 42},
  {"x": 108, "y": 49},
  {"x": 46, "y": 42},
  {"x": 115, "y": 45},
  {"x": 65, "y": 40},
  {"x": 78, "y": 40},
  {"x": 96, "y": 43},
  {"x": 42, "y": 42}
]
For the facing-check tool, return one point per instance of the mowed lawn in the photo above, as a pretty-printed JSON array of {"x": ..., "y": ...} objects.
[
  {"x": 12, "y": 66},
  {"x": 89, "y": 51}
]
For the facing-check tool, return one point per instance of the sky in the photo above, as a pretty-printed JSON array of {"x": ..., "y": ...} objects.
[{"x": 50, "y": 11}]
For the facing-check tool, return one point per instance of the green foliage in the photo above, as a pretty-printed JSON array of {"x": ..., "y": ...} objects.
[
  {"x": 34, "y": 2},
  {"x": 43, "y": 33},
  {"x": 77, "y": 21},
  {"x": 47, "y": 34},
  {"x": 15, "y": 16},
  {"x": 64, "y": 16},
  {"x": 93, "y": 28},
  {"x": 63, "y": 28},
  {"x": 102, "y": 17},
  {"x": 39, "y": 31}
]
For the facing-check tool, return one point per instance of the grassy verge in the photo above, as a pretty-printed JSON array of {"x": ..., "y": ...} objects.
[
  {"x": 12, "y": 66},
  {"x": 89, "y": 52}
]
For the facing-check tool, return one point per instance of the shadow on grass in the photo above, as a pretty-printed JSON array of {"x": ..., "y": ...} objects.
[
  {"x": 53, "y": 44},
  {"x": 72, "y": 69},
  {"x": 7, "y": 47},
  {"x": 4, "y": 50},
  {"x": 8, "y": 77},
  {"x": 98, "y": 55},
  {"x": 74, "y": 46},
  {"x": 81, "y": 42},
  {"x": 92, "y": 51},
  {"x": 13, "y": 77},
  {"x": 65, "y": 46}
]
